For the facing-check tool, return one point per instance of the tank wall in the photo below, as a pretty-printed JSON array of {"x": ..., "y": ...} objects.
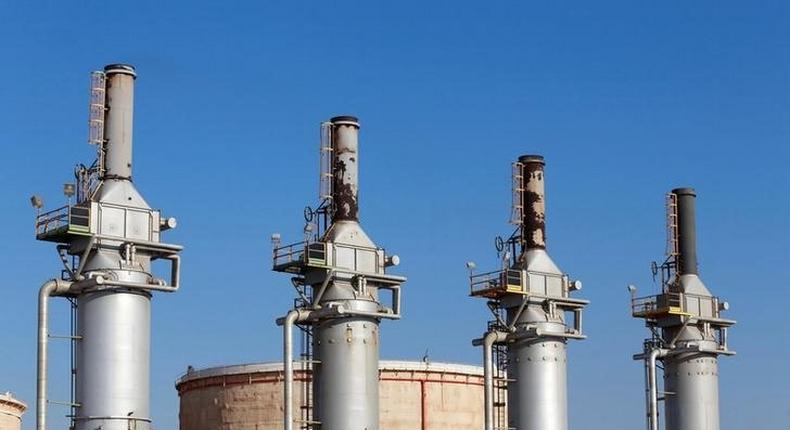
[{"x": 410, "y": 399}]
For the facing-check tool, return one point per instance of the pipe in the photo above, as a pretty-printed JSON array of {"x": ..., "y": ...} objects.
[
  {"x": 652, "y": 394},
  {"x": 53, "y": 287},
  {"x": 533, "y": 200},
  {"x": 118, "y": 121},
  {"x": 489, "y": 340},
  {"x": 293, "y": 316},
  {"x": 345, "y": 188},
  {"x": 687, "y": 230}
]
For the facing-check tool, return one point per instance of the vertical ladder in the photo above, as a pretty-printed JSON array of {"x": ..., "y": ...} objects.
[
  {"x": 96, "y": 113},
  {"x": 500, "y": 387},
  {"x": 500, "y": 379},
  {"x": 326, "y": 161},
  {"x": 74, "y": 339},
  {"x": 673, "y": 249},
  {"x": 307, "y": 372},
  {"x": 517, "y": 205},
  {"x": 307, "y": 359}
]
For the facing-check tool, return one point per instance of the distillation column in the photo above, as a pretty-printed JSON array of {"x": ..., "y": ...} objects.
[
  {"x": 115, "y": 234},
  {"x": 690, "y": 332},
  {"x": 344, "y": 272},
  {"x": 535, "y": 297}
]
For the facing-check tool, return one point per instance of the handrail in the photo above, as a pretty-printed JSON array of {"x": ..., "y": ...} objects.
[
  {"x": 658, "y": 302},
  {"x": 294, "y": 252}
]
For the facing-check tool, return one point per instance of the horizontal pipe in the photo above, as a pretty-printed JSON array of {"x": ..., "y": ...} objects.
[{"x": 98, "y": 279}]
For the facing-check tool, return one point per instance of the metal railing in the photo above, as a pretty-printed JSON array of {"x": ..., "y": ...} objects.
[
  {"x": 677, "y": 303},
  {"x": 63, "y": 217},
  {"x": 52, "y": 220},
  {"x": 498, "y": 280},
  {"x": 289, "y": 253}
]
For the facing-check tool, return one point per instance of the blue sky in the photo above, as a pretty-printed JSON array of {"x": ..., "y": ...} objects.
[{"x": 626, "y": 99}]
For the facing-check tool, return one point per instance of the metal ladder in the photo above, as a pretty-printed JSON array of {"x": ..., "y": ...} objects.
[
  {"x": 326, "y": 163},
  {"x": 307, "y": 372},
  {"x": 500, "y": 378},
  {"x": 517, "y": 205},
  {"x": 500, "y": 387},
  {"x": 672, "y": 226},
  {"x": 306, "y": 420}
]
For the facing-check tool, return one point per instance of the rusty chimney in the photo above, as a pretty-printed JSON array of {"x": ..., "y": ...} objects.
[
  {"x": 534, "y": 198},
  {"x": 345, "y": 142}
]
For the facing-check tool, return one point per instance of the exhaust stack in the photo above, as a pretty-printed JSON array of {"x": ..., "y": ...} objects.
[
  {"x": 688, "y": 330},
  {"x": 119, "y": 119},
  {"x": 686, "y": 230},
  {"x": 107, "y": 240},
  {"x": 534, "y": 223},
  {"x": 345, "y": 145},
  {"x": 339, "y": 273},
  {"x": 524, "y": 348}
]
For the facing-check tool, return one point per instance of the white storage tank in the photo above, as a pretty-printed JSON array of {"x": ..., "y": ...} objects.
[
  {"x": 11, "y": 411},
  {"x": 413, "y": 396}
]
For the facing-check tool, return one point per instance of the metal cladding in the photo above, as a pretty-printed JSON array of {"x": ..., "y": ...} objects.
[
  {"x": 340, "y": 275},
  {"x": 524, "y": 350},
  {"x": 114, "y": 236},
  {"x": 688, "y": 331},
  {"x": 687, "y": 230},
  {"x": 534, "y": 201}
]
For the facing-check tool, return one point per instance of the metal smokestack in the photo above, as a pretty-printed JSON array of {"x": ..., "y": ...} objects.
[
  {"x": 345, "y": 143},
  {"x": 108, "y": 240},
  {"x": 525, "y": 348},
  {"x": 119, "y": 119},
  {"x": 534, "y": 221},
  {"x": 687, "y": 230},
  {"x": 340, "y": 274},
  {"x": 688, "y": 330}
]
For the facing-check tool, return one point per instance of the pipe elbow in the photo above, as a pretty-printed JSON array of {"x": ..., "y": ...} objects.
[
  {"x": 53, "y": 287},
  {"x": 493, "y": 337}
]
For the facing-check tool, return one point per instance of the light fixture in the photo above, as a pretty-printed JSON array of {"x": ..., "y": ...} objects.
[
  {"x": 37, "y": 201},
  {"x": 68, "y": 190}
]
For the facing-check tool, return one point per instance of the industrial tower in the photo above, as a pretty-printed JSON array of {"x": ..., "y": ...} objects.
[
  {"x": 524, "y": 348},
  {"x": 687, "y": 331},
  {"x": 108, "y": 237},
  {"x": 338, "y": 273}
]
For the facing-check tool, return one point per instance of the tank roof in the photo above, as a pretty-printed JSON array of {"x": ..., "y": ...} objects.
[
  {"x": 6, "y": 399},
  {"x": 277, "y": 366}
]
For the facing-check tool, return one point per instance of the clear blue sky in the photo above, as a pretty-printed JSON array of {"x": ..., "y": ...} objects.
[{"x": 626, "y": 99}]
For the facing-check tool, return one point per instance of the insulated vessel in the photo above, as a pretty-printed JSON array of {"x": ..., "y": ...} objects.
[
  {"x": 341, "y": 280},
  {"x": 108, "y": 238},
  {"x": 525, "y": 346},
  {"x": 688, "y": 332}
]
